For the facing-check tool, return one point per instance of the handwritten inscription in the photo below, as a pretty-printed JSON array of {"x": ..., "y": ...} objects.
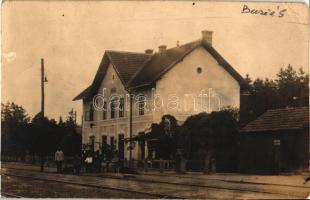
[{"x": 269, "y": 12}]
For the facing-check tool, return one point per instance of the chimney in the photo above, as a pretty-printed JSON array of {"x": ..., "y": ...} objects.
[
  {"x": 162, "y": 49},
  {"x": 207, "y": 37},
  {"x": 148, "y": 51}
]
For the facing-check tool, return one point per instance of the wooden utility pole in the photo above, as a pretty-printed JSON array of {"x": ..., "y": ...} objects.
[
  {"x": 43, "y": 80},
  {"x": 42, "y": 87},
  {"x": 130, "y": 129}
]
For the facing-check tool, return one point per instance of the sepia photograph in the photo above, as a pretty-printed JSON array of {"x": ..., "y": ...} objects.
[{"x": 155, "y": 99}]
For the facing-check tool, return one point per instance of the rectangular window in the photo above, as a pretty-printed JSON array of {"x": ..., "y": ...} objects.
[
  {"x": 104, "y": 139},
  {"x": 121, "y": 107},
  {"x": 141, "y": 104},
  {"x": 112, "y": 104},
  {"x": 92, "y": 142},
  {"x": 89, "y": 115},
  {"x": 112, "y": 142},
  {"x": 104, "y": 112},
  {"x": 87, "y": 118}
]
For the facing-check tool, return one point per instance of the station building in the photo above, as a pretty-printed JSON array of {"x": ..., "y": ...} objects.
[{"x": 139, "y": 88}]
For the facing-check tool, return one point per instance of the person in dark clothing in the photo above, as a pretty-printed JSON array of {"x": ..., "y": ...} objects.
[
  {"x": 42, "y": 162},
  {"x": 77, "y": 164},
  {"x": 97, "y": 161}
]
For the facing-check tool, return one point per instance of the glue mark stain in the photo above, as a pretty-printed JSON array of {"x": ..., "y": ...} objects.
[{"x": 10, "y": 56}]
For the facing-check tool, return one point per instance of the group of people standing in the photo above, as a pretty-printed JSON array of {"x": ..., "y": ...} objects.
[
  {"x": 98, "y": 162},
  {"x": 89, "y": 160}
]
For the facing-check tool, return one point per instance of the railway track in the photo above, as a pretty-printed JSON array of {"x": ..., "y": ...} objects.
[
  {"x": 156, "y": 195},
  {"x": 178, "y": 176},
  {"x": 141, "y": 180},
  {"x": 132, "y": 178},
  {"x": 10, "y": 195}
]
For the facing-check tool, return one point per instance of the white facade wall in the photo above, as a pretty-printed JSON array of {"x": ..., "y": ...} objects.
[
  {"x": 183, "y": 84},
  {"x": 119, "y": 125}
]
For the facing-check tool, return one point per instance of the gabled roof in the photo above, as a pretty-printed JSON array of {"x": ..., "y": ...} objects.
[
  {"x": 159, "y": 64},
  {"x": 84, "y": 94},
  {"x": 280, "y": 119},
  {"x": 125, "y": 65},
  {"x": 139, "y": 69}
]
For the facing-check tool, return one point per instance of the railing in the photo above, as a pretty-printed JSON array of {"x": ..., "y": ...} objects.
[
  {"x": 139, "y": 165},
  {"x": 12, "y": 158},
  {"x": 145, "y": 165}
]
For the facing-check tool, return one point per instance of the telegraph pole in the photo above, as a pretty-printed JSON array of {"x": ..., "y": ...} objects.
[
  {"x": 130, "y": 131},
  {"x": 42, "y": 87},
  {"x": 43, "y": 81}
]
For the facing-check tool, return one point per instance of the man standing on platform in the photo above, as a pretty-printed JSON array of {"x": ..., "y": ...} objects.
[{"x": 59, "y": 158}]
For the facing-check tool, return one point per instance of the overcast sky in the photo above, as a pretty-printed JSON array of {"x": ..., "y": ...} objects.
[{"x": 72, "y": 37}]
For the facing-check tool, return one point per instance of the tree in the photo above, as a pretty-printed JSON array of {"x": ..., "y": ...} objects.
[
  {"x": 13, "y": 118},
  {"x": 293, "y": 87},
  {"x": 212, "y": 135},
  {"x": 71, "y": 141},
  {"x": 289, "y": 89},
  {"x": 41, "y": 136},
  {"x": 61, "y": 122},
  {"x": 163, "y": 137},
  {"x": 45, "y": 132}
]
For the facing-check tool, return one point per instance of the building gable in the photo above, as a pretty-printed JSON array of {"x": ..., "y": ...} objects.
[
  {"x": 111, "y": 82},
  {"x": 125, "y": 64},
  {"x": 199, "y": 73}
]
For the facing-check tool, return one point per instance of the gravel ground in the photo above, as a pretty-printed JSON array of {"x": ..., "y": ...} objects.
[{"x": 42, "y": 189}]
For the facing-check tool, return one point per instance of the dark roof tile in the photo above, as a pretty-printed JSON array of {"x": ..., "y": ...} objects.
[
  {"x": 127, "y": 63},
  {"x": 280, "y": 119},
  {"x": 83, "y": 94}
]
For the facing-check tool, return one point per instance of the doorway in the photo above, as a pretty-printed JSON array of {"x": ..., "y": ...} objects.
[{"x": 121, "y": 146}]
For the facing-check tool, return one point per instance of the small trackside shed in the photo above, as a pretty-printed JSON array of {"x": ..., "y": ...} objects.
[{"x": 276, "y": 142}]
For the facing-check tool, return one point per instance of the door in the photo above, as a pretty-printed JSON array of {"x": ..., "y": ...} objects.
[{"x": 121, "y": 146}]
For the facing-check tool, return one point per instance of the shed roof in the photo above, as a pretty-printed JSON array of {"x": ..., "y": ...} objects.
[
  {"x": 139, "y": 69},
  {"x": 280, "y": 119}
]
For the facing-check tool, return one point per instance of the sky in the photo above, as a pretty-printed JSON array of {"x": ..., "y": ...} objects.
[{"x": 72, "y": 37}]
